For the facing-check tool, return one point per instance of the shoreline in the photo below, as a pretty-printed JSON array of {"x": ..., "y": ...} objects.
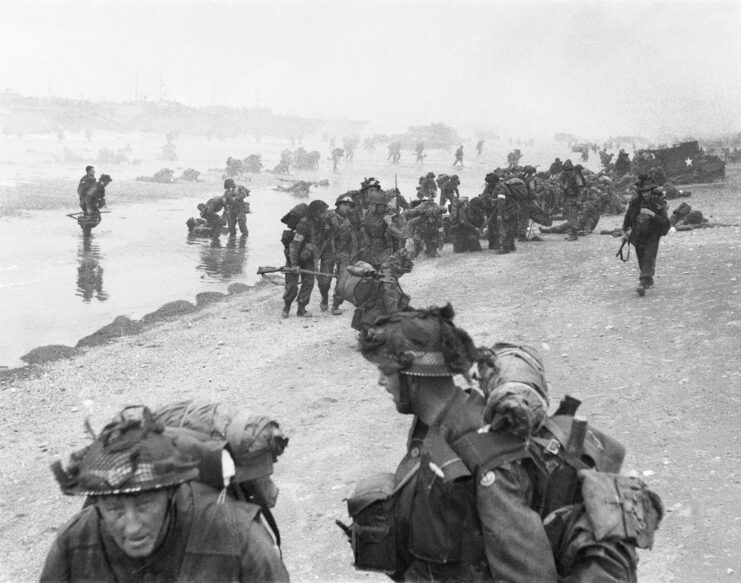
[
  {"x": 122, "y": 326},
  {"x": 657, "y": 373}
]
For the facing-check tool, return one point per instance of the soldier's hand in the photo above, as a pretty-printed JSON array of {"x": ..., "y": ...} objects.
[
  {"x": 295, "y": 269},
  {"x": 624, "y": 236},
  {"x": 387, "y": 219},
  {"x": 649, "y": 212}
]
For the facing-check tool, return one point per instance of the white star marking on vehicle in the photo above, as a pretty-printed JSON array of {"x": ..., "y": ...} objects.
[{"x": 688, "y": 161}]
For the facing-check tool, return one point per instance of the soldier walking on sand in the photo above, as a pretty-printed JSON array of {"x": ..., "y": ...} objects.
[
  {"x": 571, "y": 184},
  {"x": 458, "y": 156},
  {"x": 646, "y": 221}
]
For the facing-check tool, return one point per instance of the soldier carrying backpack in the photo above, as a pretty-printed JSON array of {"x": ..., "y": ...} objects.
[{"x": 491, "y": 487}]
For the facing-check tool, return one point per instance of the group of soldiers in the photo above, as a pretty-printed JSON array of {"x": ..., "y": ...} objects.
[
  {"x": 229, "y": 209},
  {"x": 492, "y": 487}
]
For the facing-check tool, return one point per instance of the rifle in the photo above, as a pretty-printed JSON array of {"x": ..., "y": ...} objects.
[
  {"x": 266, "y": 269},
  {"x": 396, "y": 197},
  {"x": 620, "y": 251}
]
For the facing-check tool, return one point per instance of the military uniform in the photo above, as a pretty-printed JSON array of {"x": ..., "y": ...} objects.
[
  {"x": 148, "y": 521},
  {"x": 210, "y": 212},
  {"x": 571, "y": 185},
  {"x": 487, "y": 490},
  {"x": 339, "y": 246},
  {"x": 87, "y": 182},
  {"x": 646, "y": 220},
  {"x": 236, "y": 209},
  {"x": 208, "y": 540},
  {"x": 303, "y": 252},
  {"x": 468, "y": 224}
]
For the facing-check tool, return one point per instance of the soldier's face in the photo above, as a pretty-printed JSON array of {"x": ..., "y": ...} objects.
[
  {"x": 344, "y": 209},
  {"x": 396, "y": 386},
  {"x": 135, "y": 522}
]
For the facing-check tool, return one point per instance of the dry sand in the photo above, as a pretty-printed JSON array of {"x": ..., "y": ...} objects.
[{"x": 660, "y": 373}]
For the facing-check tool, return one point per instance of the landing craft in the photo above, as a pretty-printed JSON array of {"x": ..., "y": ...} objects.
[{"x": 686, "y": 163}]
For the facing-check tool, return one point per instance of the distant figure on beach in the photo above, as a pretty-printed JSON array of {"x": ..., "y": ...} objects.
[
  {"x": 86, "y": 183},
  {"x": 458, "y": 156}
]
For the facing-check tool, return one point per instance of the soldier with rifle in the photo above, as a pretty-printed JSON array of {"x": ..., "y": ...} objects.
[
  {"x": 645, "y": 222},
  {"x": 303, "y": 258},
  {"x": 339, "y": 246}
]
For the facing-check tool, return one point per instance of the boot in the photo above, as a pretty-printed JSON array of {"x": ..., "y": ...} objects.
[
  {"x": 336, "y": 308},
  {"x": 641, "y": 290},
  {"x": 324, "y": 303},
  {"x": 286, "y": 310},
  {"x": 302, "y": 312}
]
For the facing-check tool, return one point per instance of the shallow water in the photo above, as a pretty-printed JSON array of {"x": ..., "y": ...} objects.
[{"x": 57, "y": 287}]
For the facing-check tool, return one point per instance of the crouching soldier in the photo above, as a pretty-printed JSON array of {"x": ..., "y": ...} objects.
[{"x": 149, "y": 520}]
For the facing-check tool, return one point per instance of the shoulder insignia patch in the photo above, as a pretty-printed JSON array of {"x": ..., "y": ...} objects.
[{"x": 488, "y": 479}]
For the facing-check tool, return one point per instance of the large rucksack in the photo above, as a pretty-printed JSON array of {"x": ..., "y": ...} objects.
[{"x": 254, "y": 441}]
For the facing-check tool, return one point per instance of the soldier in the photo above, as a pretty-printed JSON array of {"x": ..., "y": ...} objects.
[
  {"x": 419, "y": 149},
  {"x": 236, "y": 208},
  {"x": 303, "y": 254},
  {"x": 425, "y": 222},
  {"x": 337, "y": 154},
  {"x": 468, "y": 225},
  {"x": 508, "y": 212},
  {"x": 427, "y": 186},
  {"x": 622, "y": 164},
  {"x": 586, "y": 221},
  {"x": 523, "y": 219},
  {"x": 448, "y": 188},
  {"x": 339, "y": 246},
  {"x": 86, "y": 183},
  {"x": 645, "y": 222},
  {"x": 556, "y": 167},
  {"x": 458, "y": 156},
  {"x": 479, "y": 147},
  {"x": 210, "y": 212},
  {"x": 491, "y": 205},
  {"x": 379, "y": 233},
  {"x": 486, "y": 491},
  {"x": 94, "y": 198},
  {"x": 571, "y": 183},
  {"x": 377, "y": 293},
  {"x": 148, "y": 520}
]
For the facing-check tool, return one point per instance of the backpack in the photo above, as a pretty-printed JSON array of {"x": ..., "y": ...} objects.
[
  {"x": 254, "y": 441},
  {"x": 518, "y": 189}
]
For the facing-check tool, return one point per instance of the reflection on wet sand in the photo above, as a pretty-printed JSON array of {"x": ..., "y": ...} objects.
[
  {"x": 223, "y": 261},
  {"x": 90, "y": 271}
]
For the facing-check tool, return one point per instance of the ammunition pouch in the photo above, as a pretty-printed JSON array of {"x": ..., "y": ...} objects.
[
  {"x": 372, "y": 506},
  {"x": 287, "y": 237},
  {"x": 621, "y": 508}
]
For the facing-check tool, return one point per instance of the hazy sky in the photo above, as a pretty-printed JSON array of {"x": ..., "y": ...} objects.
[{"x": 592, "y": 68}]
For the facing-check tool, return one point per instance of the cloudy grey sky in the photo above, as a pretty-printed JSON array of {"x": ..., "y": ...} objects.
[{"x": 592, "y": 68}]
